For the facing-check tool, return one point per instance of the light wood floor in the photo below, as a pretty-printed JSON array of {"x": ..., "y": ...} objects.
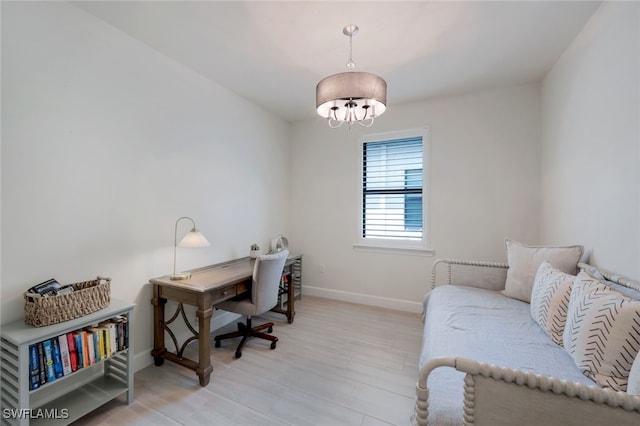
[{"x": 337, "y": 364}]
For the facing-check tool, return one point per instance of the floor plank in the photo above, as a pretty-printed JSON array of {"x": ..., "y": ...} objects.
[{"x": 337, "y": 364}]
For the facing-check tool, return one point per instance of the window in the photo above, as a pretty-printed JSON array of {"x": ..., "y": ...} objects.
[
  {"x": 393, "y": 191},
  {"x": 413, "y": 202}
]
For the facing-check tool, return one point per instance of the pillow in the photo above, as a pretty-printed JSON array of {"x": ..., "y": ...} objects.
[
  {"x": 524, "y": 262},
  {"x": 633, "y": 387},
  {"x": 550, "y": 300},
  {"x": 602, "y": 333}
]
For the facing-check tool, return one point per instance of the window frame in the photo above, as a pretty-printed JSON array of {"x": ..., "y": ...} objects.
[{"x": 416, "y": 247}]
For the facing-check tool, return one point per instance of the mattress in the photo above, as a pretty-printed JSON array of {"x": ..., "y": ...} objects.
[{"x": 488, "y": 327}]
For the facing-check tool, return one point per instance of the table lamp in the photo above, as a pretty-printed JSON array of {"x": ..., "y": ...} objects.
[{"x": 193, "y": 239}]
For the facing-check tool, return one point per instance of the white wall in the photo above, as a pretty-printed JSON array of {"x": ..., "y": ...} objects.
[
  {"x": 105, "y": 143},
  {"x": 484, "y": 182},
  {"x": 591, "y": 141}
]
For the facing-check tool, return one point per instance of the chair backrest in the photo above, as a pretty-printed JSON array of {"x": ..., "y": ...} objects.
[{"x": 267, "y": 273}]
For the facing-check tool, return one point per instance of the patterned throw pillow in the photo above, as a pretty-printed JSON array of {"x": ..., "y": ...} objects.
[
  {"x": 550, "y": 300},
  {"x": 633, "y": 387},
  {"x": 602, "y": 333}
]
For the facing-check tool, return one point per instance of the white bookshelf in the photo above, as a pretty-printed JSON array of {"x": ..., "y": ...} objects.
[{"x": 69, "y": 397}]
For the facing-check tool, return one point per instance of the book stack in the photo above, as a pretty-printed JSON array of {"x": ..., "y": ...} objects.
[
  {"x": 62, "y": 355},
  {"x": 51, "y": 287}
]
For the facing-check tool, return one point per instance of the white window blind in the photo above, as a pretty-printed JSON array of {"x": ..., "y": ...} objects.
[{"x": 392, "y": 184}]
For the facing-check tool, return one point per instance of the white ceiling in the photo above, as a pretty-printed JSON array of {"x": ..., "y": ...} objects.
[{"x": 274, "y": 53}]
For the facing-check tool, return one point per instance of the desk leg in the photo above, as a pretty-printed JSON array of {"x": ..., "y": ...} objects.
[
  {"x": 291, "y": 312},
  {"x": 158, "y": 332},
  {"x": 204, "y": 313}
]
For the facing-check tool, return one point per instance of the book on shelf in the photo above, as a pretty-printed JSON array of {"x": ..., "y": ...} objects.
[
  {"x": 125, "y": 322},
  {"x": 43, "y": 364},
  {"x": 57, "y": 358},
  {"x": 98, "y": 344},
  {"x": 102, "y": 348},
  {"x": 64, "y": 354},
  {"x": 91, "y": 346},
  {"x": 86, "y": 361},
  {"x": 73, "y": 354},
  {"x": 34, "y": 367},
  {"x": 113, "y": 328},
  {"x": 112, "y": 335},
  {"x": 77, "y": 336},
  {"x": 102, "y": 342},
  {"x": 106, "y": 339},
  {"x": 123, "y": 332},
  {"x": 48, "y": 360},
  {"x": 96, "y": 335}
]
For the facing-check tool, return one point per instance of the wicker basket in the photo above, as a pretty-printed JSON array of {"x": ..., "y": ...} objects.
[{"x": 88, "y": 297}]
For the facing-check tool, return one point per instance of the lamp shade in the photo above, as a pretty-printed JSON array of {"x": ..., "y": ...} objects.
[
  {"x": 336, "y": 93},
  {"x": 194, "y": 239}
]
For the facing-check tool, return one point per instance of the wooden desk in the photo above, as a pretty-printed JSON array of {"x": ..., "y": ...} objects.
[{"x": 206, "y": 287}]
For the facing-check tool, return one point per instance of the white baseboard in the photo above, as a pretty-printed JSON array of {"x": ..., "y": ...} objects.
[
  {"x": 221, "y": 318},
  {"x": 142, "y": 359},
  {"x": 363, "y": 299}
]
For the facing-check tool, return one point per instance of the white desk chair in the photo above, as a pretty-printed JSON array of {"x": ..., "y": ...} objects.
[{"x": 267, "y": 273}]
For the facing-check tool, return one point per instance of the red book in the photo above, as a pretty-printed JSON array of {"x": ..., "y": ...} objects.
[
  {"x": 85, "y": 348},
  {"x": 73, "y": 353}
]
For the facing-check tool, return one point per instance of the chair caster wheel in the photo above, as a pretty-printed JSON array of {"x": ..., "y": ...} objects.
[
  {"x": 270, "y": 330},
  {"x": 217, "y": 343},
  {"x": 273, "y": 345},
  {"x": 238, "y": 354}
]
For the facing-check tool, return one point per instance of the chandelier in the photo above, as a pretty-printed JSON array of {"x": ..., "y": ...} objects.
[{"x": 351, "y": 97}]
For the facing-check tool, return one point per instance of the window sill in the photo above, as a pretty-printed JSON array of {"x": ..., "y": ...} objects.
[{"x": 412, "y": 251}]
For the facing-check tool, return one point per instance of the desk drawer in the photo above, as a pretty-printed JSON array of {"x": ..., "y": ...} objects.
[
  {"x": 223, "y": 294},
  {"x": 178, "y": 295}
]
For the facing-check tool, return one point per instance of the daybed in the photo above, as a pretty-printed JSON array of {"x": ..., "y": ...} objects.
[{"x": 486, "y": 361}]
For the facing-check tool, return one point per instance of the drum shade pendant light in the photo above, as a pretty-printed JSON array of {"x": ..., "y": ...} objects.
[{"x": 351, "y": 97}]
